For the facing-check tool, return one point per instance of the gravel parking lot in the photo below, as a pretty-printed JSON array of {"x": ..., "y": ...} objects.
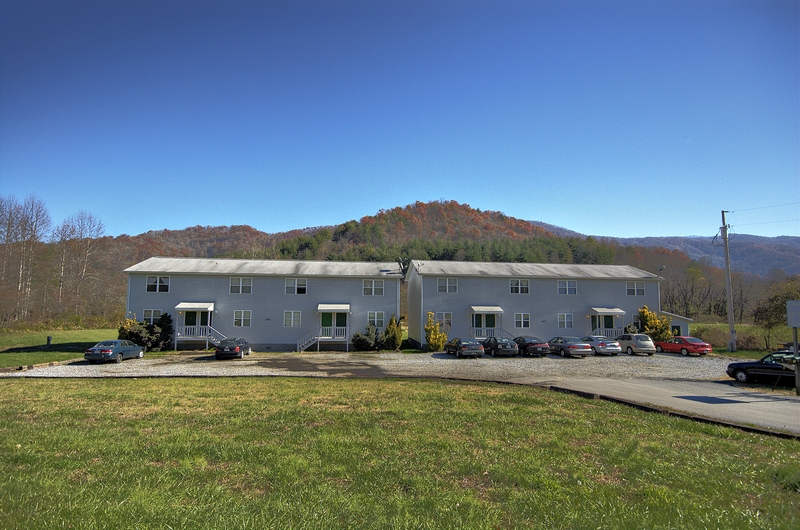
[{"x": 512, "y": 369}]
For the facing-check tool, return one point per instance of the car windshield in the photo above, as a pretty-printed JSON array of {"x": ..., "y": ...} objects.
[
  {"x": 469, "y": 343},
  {"x": 571, "y": 339},
  {"x": 694, "y": 340},
  {"x": 503, "y": 340},
  {"x": 106, "y": 344},
  {"x": 228, "y": 342},
  {"x": 641, "y": 337}
]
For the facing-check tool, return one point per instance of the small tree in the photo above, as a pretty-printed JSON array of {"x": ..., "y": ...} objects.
[
  {"x": 771, "y": 313},
  {"x": 658, "y": 328},
  {"x": 368, "y": 341},
  {"x": 393, "y": 335},
  {"x": 434, "y": 336}
]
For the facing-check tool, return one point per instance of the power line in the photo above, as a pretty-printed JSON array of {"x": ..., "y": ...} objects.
[
  {"x": 766, "y": 207},
  {"x": 768, "y": 222}
]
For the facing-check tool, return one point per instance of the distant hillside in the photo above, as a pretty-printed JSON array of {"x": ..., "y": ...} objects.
[
  {"x": 435, "y": 223},
  {"x": 753, "y": 254}
]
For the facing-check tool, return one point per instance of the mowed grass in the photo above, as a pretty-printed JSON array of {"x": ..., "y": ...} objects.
[
  {"x": 356, "y": 453},
  {"x": 30, "y": 347}
]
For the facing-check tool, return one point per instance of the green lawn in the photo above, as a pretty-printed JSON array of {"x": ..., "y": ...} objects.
[
  {"x": 354, "y": 453},
  {"x": 22, "y": 349}
]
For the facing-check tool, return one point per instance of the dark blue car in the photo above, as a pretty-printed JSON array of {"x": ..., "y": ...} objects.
[{"x": 113, "y": 350}]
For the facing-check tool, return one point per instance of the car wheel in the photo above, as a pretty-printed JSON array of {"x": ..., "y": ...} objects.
[
  {"x": 741, "y": 376},
  {"x": 457, "y": 353},
  {"x": 650, "y": 353},
  {"x": 684, "y": 352},
  {"x": 594, "y": 352},
  {"x": 241, "y": 353},
  {"x": 118, "y": 358},
  {"x": 141, "y": 353},
  {"x": 630, "y": 350},
  {"x": 659, "y": 349},
  {"x": 563, "y": 353}
]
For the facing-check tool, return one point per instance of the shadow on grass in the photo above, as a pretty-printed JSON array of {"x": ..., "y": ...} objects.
[{"x": 68, "y": 347}]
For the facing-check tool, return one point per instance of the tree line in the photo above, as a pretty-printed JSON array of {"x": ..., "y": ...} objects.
[{"x": 70, "y": 274}]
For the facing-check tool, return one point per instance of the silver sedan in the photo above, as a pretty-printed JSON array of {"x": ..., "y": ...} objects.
[{"x": 602, "y": 345}]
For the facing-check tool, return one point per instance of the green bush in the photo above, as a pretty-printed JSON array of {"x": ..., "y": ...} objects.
[
  {"x": 393, "y": 335},
  {"x": 369, "y": 341},
  {"x": 154, "y": 337}
]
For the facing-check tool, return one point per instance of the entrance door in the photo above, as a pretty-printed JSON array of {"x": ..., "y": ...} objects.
[
  {"x": 484, "y": 325},
  {"x": 326, "y": 321},
  {"x": 190, "y": 319}
]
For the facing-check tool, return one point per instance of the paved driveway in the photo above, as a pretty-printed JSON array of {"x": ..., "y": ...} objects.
[{"x": 694, "y": 385}]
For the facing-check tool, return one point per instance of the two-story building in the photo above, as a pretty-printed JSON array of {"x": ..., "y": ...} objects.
[
  {"x": 480, "y": 300},
  {"x": 277, "y": 305}
]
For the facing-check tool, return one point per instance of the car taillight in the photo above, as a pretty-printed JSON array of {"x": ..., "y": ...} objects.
[
  {"x": 480, "y": 347},
  {"x": 576, "y": 346},
  {"x": 236, "y": 349},
  {"x": 106, "y": 351},
  {"x": 602, "y": 344}
]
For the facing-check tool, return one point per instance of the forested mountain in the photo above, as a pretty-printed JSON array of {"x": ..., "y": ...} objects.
[{"x": 72, "y": 275}]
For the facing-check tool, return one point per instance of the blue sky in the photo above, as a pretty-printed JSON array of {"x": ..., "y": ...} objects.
[{"x": 613, "y": 118}]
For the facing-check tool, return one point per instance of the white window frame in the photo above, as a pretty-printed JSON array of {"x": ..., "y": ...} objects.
[
  {"x": 373, "y": 288},
  {"x": 446, "y": 285},
  {"x": 522, "y": 320},
  {"x": 565, "y": 321},
  {"x": 242, "y": 318},
  {"x": 292, "y": 319},
  {"x": 296, "y": 286},
  {"x": 444, "y": 318},
  {"x": 568, "y": 287},
  {"x": 151, "y": 316},
  {"x": 376, "y": 318},
  {"x": 241, "y": 285},
  {"x": 634, "y": 288},
  {"x": 159, "y": 284},
  {"x": 519, "y": 286}
]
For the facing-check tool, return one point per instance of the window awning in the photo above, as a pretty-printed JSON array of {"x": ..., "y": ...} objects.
[
  {"x": 331, "y": 308},
  {"x": 608, "y": 311},
  {"x": 486, "y": 309},
  {"x": 195, "y": 306}
]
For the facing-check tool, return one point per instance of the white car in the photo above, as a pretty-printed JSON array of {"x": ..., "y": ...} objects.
[{"x": 636, "y": 343}]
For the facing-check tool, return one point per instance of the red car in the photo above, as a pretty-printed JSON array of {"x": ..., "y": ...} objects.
[{"x": 684, "y": 346}]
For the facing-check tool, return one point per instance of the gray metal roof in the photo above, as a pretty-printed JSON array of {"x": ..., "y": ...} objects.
[
  {"x": 532, "y": 270},
  {"x": 265, "y": 267}
]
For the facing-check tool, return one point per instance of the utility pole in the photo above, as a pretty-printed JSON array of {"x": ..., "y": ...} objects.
[{"x": 728, "y": 289}]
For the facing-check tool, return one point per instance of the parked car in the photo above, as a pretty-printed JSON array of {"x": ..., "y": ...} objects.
[
  {"x": 684, "y": 346},
  {"x": 775, "y": 367},
  {"x": 602, "y": 345},
  {"x": 529, "y": 345},
  {"x": 569, "y": 346},
  {"x": 636, "y": 343},
  {"x": 500, "y": 346},
  {"x": 464, "y": 347},
  {"x": 113, "y": 350},
  {"x": 230, "y": 348}
]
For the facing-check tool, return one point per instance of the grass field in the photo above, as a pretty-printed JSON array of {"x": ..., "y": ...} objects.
[
  {"x": 22, "y": 349},
  {"x": 346, "y": 453}
]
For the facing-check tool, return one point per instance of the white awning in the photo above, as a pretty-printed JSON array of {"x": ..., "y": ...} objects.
[
  {"x": 486, "y": 309},
  {"x": 608, "y": 311},
  {"x": 333, "y": 308},
  {"x": 195, "y": 306}
]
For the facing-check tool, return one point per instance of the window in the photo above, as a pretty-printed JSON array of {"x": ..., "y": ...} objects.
[
  {"x": 635, "y": 289},
  {"x": 447, "y": 285},
  {"x": 375, "y": 318},
  {"x": 373, "y": 287},
  {"x": 567, "y": 287},
  {"x": 636, "y": 323},
  {"x": 519, "y": 286},
  {"x": 158, "y": 284},
  {"x": 241, "y": 285},
  {"x": 565, "y": 320},
  {"x": 151, "y": 316},
  {"x": 241, "y": 318},
  {"x": 522, "y": 320},
  {"x": 445, "y": 320},
  {"x": 291, "y": 319},
  {"x": 295, "y": 286}
]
